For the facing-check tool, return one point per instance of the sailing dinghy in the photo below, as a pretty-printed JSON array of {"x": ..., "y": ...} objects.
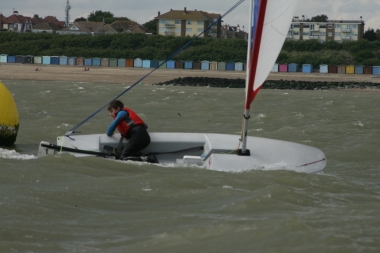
[{"x": 270, "y": 21}]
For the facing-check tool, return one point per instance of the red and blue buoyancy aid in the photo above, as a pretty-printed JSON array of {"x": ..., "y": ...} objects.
[{"x": 124, "y": 127}]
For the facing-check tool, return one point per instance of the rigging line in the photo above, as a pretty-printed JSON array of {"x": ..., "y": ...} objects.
[{"x": 72, "y": 131}]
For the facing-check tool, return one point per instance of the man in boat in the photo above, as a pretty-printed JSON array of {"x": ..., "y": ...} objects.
[{"x": 131, "y": 127}]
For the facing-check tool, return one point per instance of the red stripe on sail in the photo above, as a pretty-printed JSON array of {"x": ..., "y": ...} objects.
[{"x": 251, "y": 93}]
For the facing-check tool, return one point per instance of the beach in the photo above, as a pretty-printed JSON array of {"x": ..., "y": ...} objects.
[{"x": 115, "y": 75}]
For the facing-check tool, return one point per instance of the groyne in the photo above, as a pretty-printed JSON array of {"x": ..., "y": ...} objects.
[{"x": 269, "y": 84}]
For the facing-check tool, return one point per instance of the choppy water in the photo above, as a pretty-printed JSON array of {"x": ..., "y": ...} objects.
[{"x": 67, "y": 204}]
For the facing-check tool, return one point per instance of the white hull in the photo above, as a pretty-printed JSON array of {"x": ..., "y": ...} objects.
[{"x": 211, "y": 151}]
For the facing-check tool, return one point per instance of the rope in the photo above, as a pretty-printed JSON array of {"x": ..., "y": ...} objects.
[{"x": 72, "y": 131}]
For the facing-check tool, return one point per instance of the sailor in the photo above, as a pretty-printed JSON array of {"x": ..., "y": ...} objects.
[{"x": 131, "y": 127}]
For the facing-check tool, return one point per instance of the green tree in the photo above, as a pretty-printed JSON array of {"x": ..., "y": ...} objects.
[
  {"x": 151, "y": 26},
  {"x": 370, "y": 35},
  {"x": 320, "y": 18},
  {"x": 362, "y": 56},
  {"x": 101, "y": 16},
  {"x": 80, "y": 19}
]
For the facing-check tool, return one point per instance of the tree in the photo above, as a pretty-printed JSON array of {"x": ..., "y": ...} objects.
[
  {"x": 370, "y": 35},
  {"x": 151, "y": 26},
  {"x": 320, "y": 18},
  {"x": 104, "y": 16},
  {"x": 378, "y": 34},
  {"x": 80, "y": 19},
  {"x": 101, "y": 16}
]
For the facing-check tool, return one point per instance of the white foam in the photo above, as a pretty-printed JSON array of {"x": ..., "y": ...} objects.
[{"x": 12, "y": 154}]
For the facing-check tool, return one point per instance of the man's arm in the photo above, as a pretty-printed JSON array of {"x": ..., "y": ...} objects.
[{"x": 119, "y": 118}]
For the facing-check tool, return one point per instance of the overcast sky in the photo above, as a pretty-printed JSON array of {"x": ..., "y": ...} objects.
[{"x": 142, "y": 11}]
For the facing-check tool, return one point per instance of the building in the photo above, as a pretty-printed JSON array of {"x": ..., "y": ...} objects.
[
  {"x": 231, "y": 32},
  {"x": 124, "y": 26},
  {"x": 46, "y": 27},
  {"x": 87, "y": 27},
  {"x": 49, "y": 24},
  {"x": 17, "y": 23},
  {"x": 188, "y": 23},
  {"x": 3, "y": 22},
  {"x": 330, "y": 30}
]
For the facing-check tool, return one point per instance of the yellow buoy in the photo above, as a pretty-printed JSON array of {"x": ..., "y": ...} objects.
[{"x": 9, "y": 121}]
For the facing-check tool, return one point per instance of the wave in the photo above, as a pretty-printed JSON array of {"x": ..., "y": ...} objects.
[{"x": 12, "y": 154}]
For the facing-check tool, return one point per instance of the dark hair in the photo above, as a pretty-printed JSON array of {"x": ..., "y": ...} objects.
[{"x": 115, "y": 104}]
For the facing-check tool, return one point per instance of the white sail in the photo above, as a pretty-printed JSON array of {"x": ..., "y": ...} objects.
[{"x": 278, "y": 17}]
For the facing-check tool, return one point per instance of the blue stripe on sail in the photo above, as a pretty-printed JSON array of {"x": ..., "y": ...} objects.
[{"x": 255, "y": 10}]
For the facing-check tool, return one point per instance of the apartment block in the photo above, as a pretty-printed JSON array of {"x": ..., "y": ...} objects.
[
  {"x": 330, "y": 30},
  {"x": 188, "y": 23}
]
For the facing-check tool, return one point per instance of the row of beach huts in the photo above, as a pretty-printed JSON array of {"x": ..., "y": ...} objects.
[{"x": 171, "y": 64}]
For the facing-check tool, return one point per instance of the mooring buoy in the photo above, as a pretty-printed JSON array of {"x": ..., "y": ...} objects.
[{"x": 9, "y": 120}]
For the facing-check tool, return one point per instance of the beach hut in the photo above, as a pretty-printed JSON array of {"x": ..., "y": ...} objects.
[
  {"x": 359, "y": 69},
  {"x": 29, "y": 59},
  {"x": 129, "y": 63},
  {"x": 333, "y": 69},
  {"x": 221, "y": 66},
  {"x": 376, "y": 70},
  {"x": 230, "y": 66},
  {"x": 307, "y": 68},
  {"x": 350, "y": 69},
  {"x": 72, "y": 61},
  {"x": 63, "y": 60},
  {"x": 105, "y": 62},
  {"x": 46, "y": 60},
  {"x": 121, "y": 63},
  {"x": 138, "y": 63},
  {"x": 20, "y": 59},
  {"x": 87, "y": 62},
  {"x": 188, "y": 65},
  {"x": 213, "y": 65},
  {"x": 96, "y": 62},
  {"x": 54, "y": 60},
  {"x": 323, "y": 69},
  {"x": 274, "y": 68},
  {"x": 283, "y": 67},
  {"x": 11, "y": 59},
  {"x": 293, "y": 67},
  {"x": 37, "y": 59},
  {"x": 367, "y": 70},
  {"x": 239, "y": 66},
  {"x": 179, "y": 64},
  {"x": 80, "y": 61},
  {"x": 3, "y": 58},
  {"x": 163, "y": 66},
  {"x": 113, "y": 62},
  {"x": 146, "y": 64},
  {"x": 196, "y": 65},
  {"x": 154, "y": 64},
  {"x": 205, "y": 65},
  {"x": 342, "y": 69},
  {"x": 170, "y": 64}
]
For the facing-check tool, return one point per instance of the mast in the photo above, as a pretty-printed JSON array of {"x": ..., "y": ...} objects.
[
  {"x": 246, "y": 113},
  {"x": 67, "y": 10},
  {"x": 253, "y": 65}
]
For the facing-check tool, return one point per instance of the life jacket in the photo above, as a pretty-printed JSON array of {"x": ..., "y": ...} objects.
[{"x": 124, "y": 127}]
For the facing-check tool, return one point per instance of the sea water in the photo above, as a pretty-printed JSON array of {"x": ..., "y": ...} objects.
[{"x": 66, "y": 204}]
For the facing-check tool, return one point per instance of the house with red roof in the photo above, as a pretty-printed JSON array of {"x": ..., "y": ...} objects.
[
  {"x": 19, "y": 23},
  {"x": 48, "y": 24},
  {"x": 3, "y": 22}
]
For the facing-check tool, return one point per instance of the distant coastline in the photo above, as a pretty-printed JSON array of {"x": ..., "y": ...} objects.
[{"x": 232, "y": 79}]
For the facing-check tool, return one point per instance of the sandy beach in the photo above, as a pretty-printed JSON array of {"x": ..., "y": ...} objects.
[{"x": 37, "y": 72}]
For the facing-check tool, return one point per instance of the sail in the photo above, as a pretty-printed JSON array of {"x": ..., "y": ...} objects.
[{"x": 270, "y": 28}]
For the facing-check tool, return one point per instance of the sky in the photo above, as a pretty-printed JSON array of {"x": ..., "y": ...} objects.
[{"x": 143, "y": 11}]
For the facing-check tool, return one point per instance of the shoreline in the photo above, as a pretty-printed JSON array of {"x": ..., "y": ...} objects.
[{"x": 116, "y": 75}]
